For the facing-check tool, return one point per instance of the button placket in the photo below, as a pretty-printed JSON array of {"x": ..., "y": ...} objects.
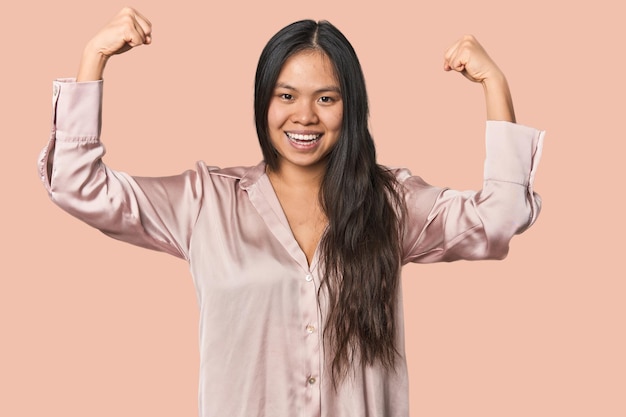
[
  {"x": 56, "y": 90},
  {"x": 310, "y": 339}
]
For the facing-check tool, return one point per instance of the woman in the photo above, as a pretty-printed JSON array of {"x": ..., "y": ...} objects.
[{"x": 296, "y": 261}]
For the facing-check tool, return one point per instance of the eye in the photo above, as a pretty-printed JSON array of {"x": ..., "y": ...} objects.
[
  {"x": 326, "y": 99},
  {"x": 286, "y": 96}
]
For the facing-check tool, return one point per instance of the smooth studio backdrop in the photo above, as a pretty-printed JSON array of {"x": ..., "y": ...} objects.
[{"x": 539, "y": 334}]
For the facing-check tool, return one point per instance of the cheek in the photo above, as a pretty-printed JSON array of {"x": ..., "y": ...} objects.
[
  {"x": 275, "y": 117},
  {"x": 335, "y": 121}
]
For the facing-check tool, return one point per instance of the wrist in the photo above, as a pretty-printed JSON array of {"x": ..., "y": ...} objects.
[{"x": 495, "y": 81}]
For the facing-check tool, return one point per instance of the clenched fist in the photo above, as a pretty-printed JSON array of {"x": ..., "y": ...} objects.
[
  {"x": 468, "y": 57},
  {"x": 127, "y": 30}
]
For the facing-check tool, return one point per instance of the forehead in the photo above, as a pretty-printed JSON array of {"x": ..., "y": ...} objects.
[{"x": 308, "y": 67}]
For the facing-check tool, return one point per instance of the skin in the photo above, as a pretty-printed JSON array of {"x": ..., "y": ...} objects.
[
  {"x": 127, "y": 30},
  {"x": 468, "y": 57},
  {"x": 306, "y": 100},
  {"x": 130, "y": 29}
]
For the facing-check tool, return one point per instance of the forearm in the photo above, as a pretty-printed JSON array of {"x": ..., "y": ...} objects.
[
  {"x": 91, "y": 66},
  {"x": 498, "y": 99}
]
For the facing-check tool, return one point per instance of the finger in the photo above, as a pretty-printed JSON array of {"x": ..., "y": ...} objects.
[
  {"x": 457, "y": 59},
  {"x": 136, "y": 28},
  {"x": 146, "y": 26},
  {"x": 460, "y": 60},
  {"x": 139, "y": 30},
  {"x": 448, "y": 55},
  {"x": 454, "y": 56},
  {"x": 133, "y": 34}
]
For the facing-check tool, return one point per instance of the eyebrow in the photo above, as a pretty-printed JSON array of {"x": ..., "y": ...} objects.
[{"x": 331, "y": 88}]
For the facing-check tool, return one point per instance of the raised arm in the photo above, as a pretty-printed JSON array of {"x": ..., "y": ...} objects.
[
  {"x": 157, "y": 213},
  {"x": 446, "y": 225},
  {"x": 127, "y": 30}
]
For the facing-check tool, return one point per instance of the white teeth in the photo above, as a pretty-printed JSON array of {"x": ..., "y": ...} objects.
[{"x": 297, "y": 136}]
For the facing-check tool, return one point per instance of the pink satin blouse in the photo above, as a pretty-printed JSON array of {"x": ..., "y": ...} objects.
[{"x": 261, "y": 351}]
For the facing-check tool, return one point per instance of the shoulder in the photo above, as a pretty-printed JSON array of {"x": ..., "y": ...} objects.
[
  {"x": 234, "y": 173},
  {"x": 407, "y": 180},
  {"x": 419, "y": 196}
]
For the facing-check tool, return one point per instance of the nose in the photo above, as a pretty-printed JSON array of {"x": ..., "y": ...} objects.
[{"x": 305, "y": 113}]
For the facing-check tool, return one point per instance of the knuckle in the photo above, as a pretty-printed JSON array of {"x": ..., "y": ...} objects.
[
  {"x": 127, "y": 20},
  {"x": 128, "y": 12},
  {"x": 468, "y": 41}
]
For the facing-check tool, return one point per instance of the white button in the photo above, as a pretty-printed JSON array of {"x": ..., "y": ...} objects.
[
  {"x": 310, "y": 329},
  {"x": 311, "y": 381},
  {"x": 309, "y": 277}
]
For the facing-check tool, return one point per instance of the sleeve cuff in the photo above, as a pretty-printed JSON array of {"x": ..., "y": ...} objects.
[
  {"x": 513, "y": 152},
  {"x": 77, "y": 109}
]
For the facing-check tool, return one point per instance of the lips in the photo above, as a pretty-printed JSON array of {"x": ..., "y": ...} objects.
[{"x": 303, "y": 139}]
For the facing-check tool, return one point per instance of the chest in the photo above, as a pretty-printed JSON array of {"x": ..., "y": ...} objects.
[
  {"x": 307, "y": 223},
  {"x": 248, "y": 235}
]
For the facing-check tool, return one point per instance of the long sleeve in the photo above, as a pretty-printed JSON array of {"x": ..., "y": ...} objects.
[
  {"x": 156, "y": 213},
  {"x": 447, "y": 225}
]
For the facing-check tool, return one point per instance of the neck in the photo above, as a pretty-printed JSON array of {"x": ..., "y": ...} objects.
[{"x": 299, "y": 178}]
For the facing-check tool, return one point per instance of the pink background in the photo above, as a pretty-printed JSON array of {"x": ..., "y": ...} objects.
[{"x": 540, "y": 334}]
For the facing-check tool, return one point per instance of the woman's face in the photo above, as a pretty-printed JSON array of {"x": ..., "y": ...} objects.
[{"x": 305, "y": 112}]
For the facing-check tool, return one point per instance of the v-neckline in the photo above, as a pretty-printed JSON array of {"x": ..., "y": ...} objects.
[{"x": 264, "y": 198}]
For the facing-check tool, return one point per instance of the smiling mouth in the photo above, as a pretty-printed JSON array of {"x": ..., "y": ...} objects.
[{"x": 302, "y": 139}]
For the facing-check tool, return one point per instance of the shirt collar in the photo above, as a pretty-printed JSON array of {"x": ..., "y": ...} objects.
[{"x": 252, "y": 175}]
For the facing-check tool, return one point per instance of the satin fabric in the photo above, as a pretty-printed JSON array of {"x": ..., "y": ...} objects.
[{"x": 261, "y": 350}]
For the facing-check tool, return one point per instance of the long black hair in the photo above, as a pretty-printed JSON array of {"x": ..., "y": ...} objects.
[{"x": 360, "y": 248}]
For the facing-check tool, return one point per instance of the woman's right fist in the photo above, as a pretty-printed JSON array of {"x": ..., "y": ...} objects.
[{"x": 127, "y": 30}]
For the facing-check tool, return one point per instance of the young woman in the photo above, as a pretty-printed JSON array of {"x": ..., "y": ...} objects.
[{"x": 297, "y": 260}]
